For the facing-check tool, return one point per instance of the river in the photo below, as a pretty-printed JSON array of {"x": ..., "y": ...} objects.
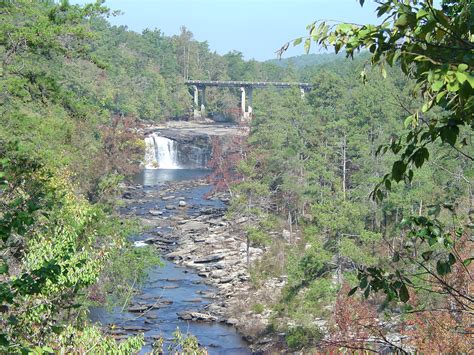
[{"x": 170, "y": 289}]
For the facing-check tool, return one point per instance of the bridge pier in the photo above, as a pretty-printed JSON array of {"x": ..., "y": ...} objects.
[
  {"x": 203, "y": 101},
  {"x": 246, "y": 109},
  {"x": 199, "y": 106},
  {"x": 250, "y": 104}
]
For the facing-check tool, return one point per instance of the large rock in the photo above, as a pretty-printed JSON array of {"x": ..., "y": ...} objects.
[
  {"x": 193, "y": 226},
  {"x": 209, "y": 259},
  {"x": 139, "y": 308},
  {"x": 135, "y": 328},
  {"x": 166, "y": 198},
  {"x": 196, "y": 316},
  {"x": 155, "y": 212}
]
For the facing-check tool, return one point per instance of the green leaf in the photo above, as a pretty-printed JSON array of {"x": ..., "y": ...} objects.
[
  {"x": 408, "y": 121},
  {"x": 297, "y": 41},
  {"x": 351, "y": 292},
  {"x": 367, "y": 292},
  {"x": 442, "y": 268},
  {"x": 3, "y": 268},
  {"x": 363, "y": 282},
  {"x": 402, "y": 21},
  {"x": 48, "y": 349},
  {"x": 420, "y": 156},
  {"x": 451, "y": 259},
  {"x": 427, "y": 255},
  {"x": 344, "y": 27},
  {"x": 398, "y": 169},
  {"x": 4, "y": 341},
  {"x": 449, "y": 134},
  {"x": 440, "y": 96},
  {"x": 421, "y": 13},
  {"x": 437, "y": 85},
  {"x": 307, "y": 45},
  {"x": 467, "y": 262},
  {"x": 462, "y": 77},
  {"x": 403, "y": 293},
  {"x": 470, "y": 80}
]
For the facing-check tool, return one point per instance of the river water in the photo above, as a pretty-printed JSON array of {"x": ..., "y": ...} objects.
[{"x": 170, "y": 282}]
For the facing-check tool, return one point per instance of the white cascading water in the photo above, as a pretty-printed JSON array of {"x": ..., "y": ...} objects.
[{"x": 161, "y": 153}]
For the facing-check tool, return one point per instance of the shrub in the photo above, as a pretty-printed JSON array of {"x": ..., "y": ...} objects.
[
  {"x": 300, "y": 336},
  {"x": 258, "y": 308}
]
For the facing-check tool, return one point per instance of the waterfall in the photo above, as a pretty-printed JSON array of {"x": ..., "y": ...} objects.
[{"x": 161, "y": 153}]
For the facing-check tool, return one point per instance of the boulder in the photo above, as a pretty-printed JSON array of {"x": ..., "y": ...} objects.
[
  {"x": 182, "y": 203},
  {"x": 196, "y": 316},
  {"x": 193, "y": 226},
  {"x": 226, "y": 280},
  {"x": 166, "y": 198},
  {"x": 155, "y": 212},
  {"x": 139, "y": 308},
  {"x": 232, "y": 321},
  {"x": 218, "y": 274},
  {"x": 209, "y": 259},
  {"x": 135, "y": 328}
]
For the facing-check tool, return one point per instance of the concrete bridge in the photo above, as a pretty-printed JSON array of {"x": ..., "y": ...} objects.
[{"x": 246, "y": 89}]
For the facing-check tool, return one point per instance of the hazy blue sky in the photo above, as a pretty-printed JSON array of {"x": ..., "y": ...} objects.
[{"x": 257, "y": 28}]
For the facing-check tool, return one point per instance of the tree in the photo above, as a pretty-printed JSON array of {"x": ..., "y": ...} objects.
[{"x": 434, "y": 47}]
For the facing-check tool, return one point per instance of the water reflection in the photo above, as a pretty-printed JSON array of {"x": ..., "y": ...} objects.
[{"x": 152, "y": 177}]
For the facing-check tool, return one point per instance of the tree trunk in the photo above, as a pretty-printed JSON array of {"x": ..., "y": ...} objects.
[
  {"x": 290, "y": 226},
  {"x": 344, "y": 166}
]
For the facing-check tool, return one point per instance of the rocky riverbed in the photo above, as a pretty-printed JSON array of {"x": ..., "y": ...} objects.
[{"x": 186, "y": 222}]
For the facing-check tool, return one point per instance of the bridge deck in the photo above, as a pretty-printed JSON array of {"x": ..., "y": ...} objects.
[{"x": 257, "y": 84}]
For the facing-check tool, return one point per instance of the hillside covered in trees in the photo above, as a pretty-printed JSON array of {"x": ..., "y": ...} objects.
[{"x": 360, "y": 192}]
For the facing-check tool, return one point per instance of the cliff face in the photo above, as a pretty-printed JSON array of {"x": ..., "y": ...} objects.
[
  {"x": 185, "y": 150},
  {"x": 194, "y": 142},
  {"x": 194, "y": 152}
]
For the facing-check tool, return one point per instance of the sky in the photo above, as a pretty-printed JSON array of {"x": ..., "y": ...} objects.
[{"x": 257, "y": 28}]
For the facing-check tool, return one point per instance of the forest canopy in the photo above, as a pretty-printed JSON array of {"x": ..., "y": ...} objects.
[{"x": 364, "y": 184}]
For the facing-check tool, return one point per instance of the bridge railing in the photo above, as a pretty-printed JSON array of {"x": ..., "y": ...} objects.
[{"x": 247, "y": 83}]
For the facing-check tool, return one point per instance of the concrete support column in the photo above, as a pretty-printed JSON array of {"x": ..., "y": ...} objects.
[
  {"x": 242, "y": 101},
  {"x": 250, "y": 105},
  {"x": 196, "y": 96},
  {"x": 203, "y": 101},
  {"x": 196, "y": 112},
  {"x": 303, "y": 92}
]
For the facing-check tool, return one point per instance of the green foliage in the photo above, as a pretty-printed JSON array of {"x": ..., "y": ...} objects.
[
  {"x": 258, "y": 237},
  {"x": 258, "y": 308},
  {"x": 125, "y": 269},
  {"x": 299, "y": 337},
  {"x": 439, "y": 257},
  {"x": 183, "y": 344},
  {"x": 320, "y": 159},
  {"x": 433, "y": 47},
  {"x": 91, "y": 339},
  {"x": 54, "y": 245}
]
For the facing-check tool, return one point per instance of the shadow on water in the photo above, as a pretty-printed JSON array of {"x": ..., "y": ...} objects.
[{"x": 174, "y": 283}]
